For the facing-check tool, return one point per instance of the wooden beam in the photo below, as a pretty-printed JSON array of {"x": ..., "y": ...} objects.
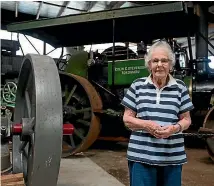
[{"x": 12, "y": 180}]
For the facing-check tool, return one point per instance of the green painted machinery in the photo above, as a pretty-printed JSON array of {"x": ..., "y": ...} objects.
[
  {"x": 8, "y": 97},
  {"x": 92, "y": 97},
  {"x": 126, "y": 71}
]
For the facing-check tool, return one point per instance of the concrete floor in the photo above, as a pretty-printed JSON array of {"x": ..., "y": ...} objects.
[{"x": 84, "y": 172}]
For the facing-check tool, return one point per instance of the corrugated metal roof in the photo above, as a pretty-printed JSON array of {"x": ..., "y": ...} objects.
[
  {"x": 132, "y": 24},
  {"x": 17, "y": 11},
  {"x": 51, "y": 9}
]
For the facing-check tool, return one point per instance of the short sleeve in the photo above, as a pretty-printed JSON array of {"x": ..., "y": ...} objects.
[
  {"x": 129, "y": 99},
  {"x": 186, "y": 103}
]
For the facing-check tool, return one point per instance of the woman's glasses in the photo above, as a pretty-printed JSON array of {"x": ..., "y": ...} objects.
[{"x": 162, "y": 60}]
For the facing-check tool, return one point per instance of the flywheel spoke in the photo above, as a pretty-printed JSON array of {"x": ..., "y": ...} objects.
[
  {"x": 78, "y": 110},
  {"x": 25, "y": 156},
  {"x": 24, "y": 153},
  {"x": 72, "y": 141},
  {"x": 84, "y": 122},
  {"x": 23, "y": 145},
  {"x": 83, "y": 110},
  {"x": 70, "y": 95},
  {"x": 78, "y": 133},
  {"x": 28, "y": 103}
]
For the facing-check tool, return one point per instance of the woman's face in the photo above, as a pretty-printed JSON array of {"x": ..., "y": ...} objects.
[{"x": 159, "y": 64}]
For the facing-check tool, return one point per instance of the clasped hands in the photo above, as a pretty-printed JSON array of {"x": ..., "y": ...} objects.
[{"x": 161, "y": 131}]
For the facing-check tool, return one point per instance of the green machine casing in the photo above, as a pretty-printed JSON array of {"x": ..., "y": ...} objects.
[{"x": 126, "y": 71}]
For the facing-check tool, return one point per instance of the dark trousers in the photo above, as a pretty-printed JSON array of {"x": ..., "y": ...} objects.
[{"x": 149, "y": 175}]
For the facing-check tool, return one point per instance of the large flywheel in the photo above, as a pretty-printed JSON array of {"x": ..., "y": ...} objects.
[
  {"x": 80, "y": 101},
  {"x": 209, "y": 124},
  {"x": 37, "y": 151}
]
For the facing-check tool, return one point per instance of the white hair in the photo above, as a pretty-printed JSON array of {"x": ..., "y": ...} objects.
[{"x": 162, "y": 45}]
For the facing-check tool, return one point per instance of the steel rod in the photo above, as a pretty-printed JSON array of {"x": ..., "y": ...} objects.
[
  {"x": 68, "y": 129},
  {"x": 65, "y": 5},
  {"x": 20, "y": 44},
  {"x": 210, "y": 52},
  {"x": 103, "y": 88},
  {"x": 51, "y": 51},
  {"x": 32, "y": 44},
  {"x": 52, "y": 4},
  {"x": 39, "y": 10},
  {"x": 16, "y": 9},
  {"x": 113, "y": 52},
  {"x": 205, "y": 39},
  {"x": 44, "y": 48}
]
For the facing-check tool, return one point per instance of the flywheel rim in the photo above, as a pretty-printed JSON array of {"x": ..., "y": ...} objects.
[
  {"x": 95, "y": 126},
  {"x": 209, "y": 123},
  {"x": 39, "y": 108}
]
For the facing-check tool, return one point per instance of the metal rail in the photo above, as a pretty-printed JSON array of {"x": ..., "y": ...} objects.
[{"x": 98, "y": 16}]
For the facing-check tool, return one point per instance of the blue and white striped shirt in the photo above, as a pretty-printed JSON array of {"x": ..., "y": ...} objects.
[{"x": 162, "y": 106}]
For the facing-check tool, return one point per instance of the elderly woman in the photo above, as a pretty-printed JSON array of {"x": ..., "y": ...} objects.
[{"x": 157, "y": 111}]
